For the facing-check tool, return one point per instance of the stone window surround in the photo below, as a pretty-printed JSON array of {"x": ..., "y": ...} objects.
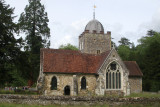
[
  {"x": 98, "y": 51},
  {"x": 53, "y": 83},
  {"x": 81, "y": 45},
  {"x": 84, "y": 87},
  {"x": 86, "y": 82},
  {"x": 57, "y": 82},
  {"x": 120, "y": 70}
]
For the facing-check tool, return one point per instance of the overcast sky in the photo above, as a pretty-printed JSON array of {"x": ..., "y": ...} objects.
[{"x": 124, "y": 18}]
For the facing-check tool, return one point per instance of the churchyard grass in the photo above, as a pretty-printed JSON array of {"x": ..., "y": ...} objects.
[
  {"x": 23, "y": 105},
  {"x": 145, "y": 94}
]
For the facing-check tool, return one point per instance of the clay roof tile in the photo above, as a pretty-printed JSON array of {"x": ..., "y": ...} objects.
[
  {"x": 133, "y": 68},
  {"x": 69, "y": 61}
]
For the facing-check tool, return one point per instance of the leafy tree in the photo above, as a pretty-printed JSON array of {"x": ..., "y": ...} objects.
[
  {"x": 68, "y": 47},
  {"x": 147, "y": 55},
  {"x": 151, "y": 33},
  {"x": 34, "y": 23},
  {"x": 9, "y": 46},
  {"x": 149, "y": 61},
  {"x": 124, "y": 48},
  {"x": 124, "y": 41},
  {"x": 124, "y": 52}
]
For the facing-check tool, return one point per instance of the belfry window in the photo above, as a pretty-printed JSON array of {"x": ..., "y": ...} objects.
[
  {"x": 54, "y": 83},
  {"x": 113, "y": 76},
  {"x": 81, "y": 45},
  {"x": 98, "y": 51},
  {"x": 83, "y": 83}
]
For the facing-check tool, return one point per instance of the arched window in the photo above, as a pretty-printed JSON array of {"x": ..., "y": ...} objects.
[
  {"x": 54, "y": 83},
  {"x": 113, "y": 76},
  {"x": 83, "y": 83}
]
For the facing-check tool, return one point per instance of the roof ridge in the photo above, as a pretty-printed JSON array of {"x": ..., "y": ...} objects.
[{"x": 64, "y": 51}]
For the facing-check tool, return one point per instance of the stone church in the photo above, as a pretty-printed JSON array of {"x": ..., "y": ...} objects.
[{"x": 96, "y": 69}]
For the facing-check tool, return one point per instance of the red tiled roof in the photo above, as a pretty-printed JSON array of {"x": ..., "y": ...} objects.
[
  {"x": 133, "y": 68},
  {"x": 69, "y": 61}
]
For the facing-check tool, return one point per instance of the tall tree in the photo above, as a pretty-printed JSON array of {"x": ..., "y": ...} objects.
[
  {"x": 149, "y": 60},
  {"x": 34, "y": 23},
  {"x": 124, "y": 52},
  {"x": 124, "y": 48},
  {"x": 151, "y": 33},
  {"x": 124, "y": 41},
  {"x": 9, "y": 46}
]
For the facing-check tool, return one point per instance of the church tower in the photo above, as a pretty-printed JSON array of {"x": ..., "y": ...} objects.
[{"x": 93, "y": 40}]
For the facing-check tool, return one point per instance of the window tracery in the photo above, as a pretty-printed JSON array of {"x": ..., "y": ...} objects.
[{"x": 113, "y": 76}]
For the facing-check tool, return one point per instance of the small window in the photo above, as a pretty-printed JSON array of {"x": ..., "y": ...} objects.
[
  {"x": 113, "y": 66},
  {"x": 83, "y": 83},
  {"x": 54, "y": 83},
  {"x": 98, "y": 51}
]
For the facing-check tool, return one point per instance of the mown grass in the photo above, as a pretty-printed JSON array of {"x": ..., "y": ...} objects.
[
  {"x": 24, "y": 92},
  {"x": 22, "y": 105},
  {"x": 144, "y": 94}
]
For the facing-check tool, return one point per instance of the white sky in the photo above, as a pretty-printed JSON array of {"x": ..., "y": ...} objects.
[{"x": 124, "y": 18}]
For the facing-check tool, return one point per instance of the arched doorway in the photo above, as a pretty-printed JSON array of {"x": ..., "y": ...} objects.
[{"x": 67, "y": 90}]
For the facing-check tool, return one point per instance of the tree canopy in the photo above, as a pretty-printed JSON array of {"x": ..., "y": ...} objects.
[
  {"x": 34, "y": 23},
  {"x": 124, "y": 41},
  {"x": 68, "y": 47},
  {"x": 149, "y": 61},
  {"x": 147, "y": 55},
  {"x": 9, "y": 46}
]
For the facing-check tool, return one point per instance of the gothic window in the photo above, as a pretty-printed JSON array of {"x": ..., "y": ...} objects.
[
  {"x": 113, "y": 76},
  {"x": 83, "y": 83},
  {"x": 54, "y": 83}
]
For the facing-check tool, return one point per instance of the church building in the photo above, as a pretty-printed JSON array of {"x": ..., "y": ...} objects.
[{"x": 96, "y": 69}]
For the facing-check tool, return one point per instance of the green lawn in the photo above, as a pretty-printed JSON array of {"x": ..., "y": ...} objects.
[
  {"x": 145, "y": 94},
  {"x": 22, "y": 105}
]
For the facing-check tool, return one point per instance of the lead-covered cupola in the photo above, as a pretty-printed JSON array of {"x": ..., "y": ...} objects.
[{"x": 94, "y": 26}]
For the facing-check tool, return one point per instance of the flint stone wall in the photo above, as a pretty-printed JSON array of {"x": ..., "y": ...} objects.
[
  {"x": 135, "y": 84},
  {"x": 76, "y": 100},
  {"x": 91, "y": 42},
  {"x": 68, "y": 80}
]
